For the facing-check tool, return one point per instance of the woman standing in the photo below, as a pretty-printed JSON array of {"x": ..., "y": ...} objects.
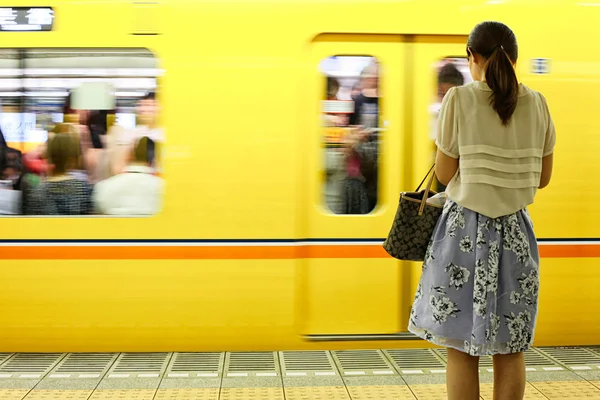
[{"x": 478, "y": 292}]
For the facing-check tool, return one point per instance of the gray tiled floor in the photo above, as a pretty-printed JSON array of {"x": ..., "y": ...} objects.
[{"x": 403, "y": 378}]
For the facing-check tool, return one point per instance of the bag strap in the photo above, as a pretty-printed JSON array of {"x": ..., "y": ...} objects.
[
  {"x": 427, "y": 190},
  {"x": 423, "y": 181}
]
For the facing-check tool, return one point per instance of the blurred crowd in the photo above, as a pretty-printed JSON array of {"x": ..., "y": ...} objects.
[{"x": 88, "y": 165}]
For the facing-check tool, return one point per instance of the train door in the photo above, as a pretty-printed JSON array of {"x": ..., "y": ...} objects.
[{"x": 351, "y": 177}]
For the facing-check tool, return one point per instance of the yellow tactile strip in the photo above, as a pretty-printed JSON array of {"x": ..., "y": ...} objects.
[
  {"x": 187, "y": 394},
  {"x": 429, "y": 392},
  {"x": 275, "y": 393},
  {"x": 568, "y": 390},
  {"x": 59, "y": 395},
  {"x": 581, "y": 390},
  {"x": 316, "y": 393},
  {"x": 531, "y": 393},
  {"x": 13, "y": 394},
  {"x": 123, "y": 394},
  {"x": 381, "y": 392}
]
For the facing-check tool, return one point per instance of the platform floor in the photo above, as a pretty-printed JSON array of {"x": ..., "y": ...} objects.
[{"x": 552, "y": 373}]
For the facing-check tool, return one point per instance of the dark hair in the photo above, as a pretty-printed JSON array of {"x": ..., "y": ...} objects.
[
  {"x": 67, "y": 105},
  {"x": 149, "y": 96},
  {"x": 497, "y": 44},
  {"x": 3, "y": 161},
  {"x": 2, "y": 140},
  {"x": 97, "y": 125},
  {"x": 144, "y": 150},
  {"x": 450, "y": 74}
]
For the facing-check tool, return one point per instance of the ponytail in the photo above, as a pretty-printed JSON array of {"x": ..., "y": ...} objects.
[{"x": 501, "y": 77}]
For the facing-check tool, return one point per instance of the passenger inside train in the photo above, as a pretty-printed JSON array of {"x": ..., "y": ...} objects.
[
  {"x": 135, "y": 190},
  {"x": 61, "y": 192},
  {"x": 351, "y": 147},
  {"x": 73, "y": 133},
  {"x": 449, "y": 76}
]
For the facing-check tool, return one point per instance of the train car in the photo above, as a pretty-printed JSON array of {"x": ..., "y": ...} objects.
[{"x": 247, "y": 252}]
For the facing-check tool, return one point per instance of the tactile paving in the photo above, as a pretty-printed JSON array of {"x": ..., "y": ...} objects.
[
  {"x": 187, "y": 394},
  {"x": 85, "y": 363},
  {"x": 362, "y": 362},
  {"x": 58, "y": 395},
  {"x": 531, "y": 393},
  {"x": 380, "y": 393},
  {"x": 124, "y": 394},
  {"x": 136, "y": 364},
  {"x": 13, "y": 394},
  {"x": 415, "y": 359},
  {"x": 534, "y": 359},
  {"x": 429, "y": 392},
  {"x": 207, "y": 365},
  {"x": 317, "y": 393},
  {"x": 299, "y": 363},
  {"x": 32, "y": 365},
  {"x": 246, "y": 363},
  {"x": 575, "y": 358},
  {"x": 4, "y": 357},
  {"x": 252, "y": 393},
  {"x": 568, "y": 390}
]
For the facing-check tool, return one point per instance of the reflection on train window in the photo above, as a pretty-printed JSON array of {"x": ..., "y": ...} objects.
[
  {"x": 450, "y": 72},
  {"x": 79, "y": 132},
  {"x": 351, "y": 115}
]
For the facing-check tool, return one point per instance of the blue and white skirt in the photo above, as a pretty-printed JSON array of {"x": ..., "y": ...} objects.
[{"x": 478, "y": 292}]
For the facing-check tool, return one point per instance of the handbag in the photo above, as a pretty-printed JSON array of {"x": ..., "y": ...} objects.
[{"x": 414, "y": 223}]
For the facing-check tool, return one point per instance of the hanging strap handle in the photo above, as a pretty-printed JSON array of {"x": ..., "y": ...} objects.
[
  {"x": 427, "y": 190},
  {"x": 423, "y": 181}
]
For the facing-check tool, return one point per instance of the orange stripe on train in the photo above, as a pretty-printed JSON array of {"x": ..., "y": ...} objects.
[{"x": 240, "y": 252}]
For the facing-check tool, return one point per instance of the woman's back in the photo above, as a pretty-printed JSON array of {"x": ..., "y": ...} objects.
[
  {"x": 61, "y": 197},
  {"x": 497, "y": 161},
  {"x": 478, "y": 293}
]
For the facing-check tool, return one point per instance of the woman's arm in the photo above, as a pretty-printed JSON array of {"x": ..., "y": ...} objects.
[
  {"x": 448, "y": 153},
  {"x": 547, "y": 164},
  {"x": 445, "y": 167}
]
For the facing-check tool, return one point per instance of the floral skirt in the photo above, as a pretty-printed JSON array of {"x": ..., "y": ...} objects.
[{"x": 478, "y": 291}]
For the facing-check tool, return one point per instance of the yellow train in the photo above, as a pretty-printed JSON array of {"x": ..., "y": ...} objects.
[{"x": 246, "y": 254}]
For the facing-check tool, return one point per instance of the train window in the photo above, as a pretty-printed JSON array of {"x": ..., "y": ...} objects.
[
  {"x": 79, "y": 132},
  {"x": 450, "y": 72},
  {"x": 351, "y": 115}
]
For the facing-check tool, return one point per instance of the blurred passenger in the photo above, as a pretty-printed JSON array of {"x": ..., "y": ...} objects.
[
  {"x": 335, "y": 179},
  {"x": 2, "y": 140},
  {"x": 448, "y": 77},
  {"x": 334, "y": 119},
  {"x": 366, "y": 103},
  {"x": 135, "y": 191},
  {"x": 12, "y": 167},
  {"x": 356, "y": 90},
  {"x": 96, "y": 145},
  {"x": 146, "y": 125},
  {"x": 62, "y": 193},
  {"x": 364, "y": 158},
  {"x": 333, "y": 86},
  {"x": 36, "y": 162},
  {"x": 356, "y": 199},
  {"x": 10, "y": 195}
]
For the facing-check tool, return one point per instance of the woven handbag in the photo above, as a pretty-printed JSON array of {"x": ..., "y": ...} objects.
[{"x": 414, "y": 223}]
